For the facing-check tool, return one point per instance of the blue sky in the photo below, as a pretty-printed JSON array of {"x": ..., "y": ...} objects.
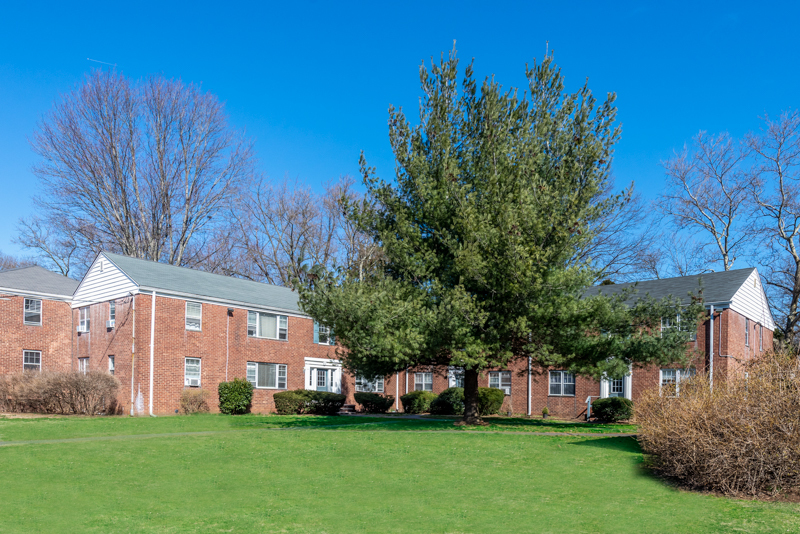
[{"x": 312, "y": 81}]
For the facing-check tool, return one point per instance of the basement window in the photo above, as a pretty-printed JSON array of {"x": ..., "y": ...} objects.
[
  {"x": 194, "y": 316},
  {"x": 266, "y": 375},
  {"x": 33, "y": 312}
]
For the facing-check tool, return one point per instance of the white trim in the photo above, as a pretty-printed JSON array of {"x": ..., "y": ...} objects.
[
  {"x": 221, "y": 302},
  {"x": 199, "y": 371},
  {"x": 34, "y": 352},
  {"x": 35, "y": 294}
]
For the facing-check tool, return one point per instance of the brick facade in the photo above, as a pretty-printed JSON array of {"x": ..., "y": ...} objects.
[{"x": 53, "y": 338}]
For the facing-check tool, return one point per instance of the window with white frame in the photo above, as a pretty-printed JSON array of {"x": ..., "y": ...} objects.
[
  {"x": 33, "y": 312},
  {"x": 562, "y": 383},
  {"x": 266, "y": 375},
  {"x": 83, "y": 319},
  {"x": 671, "y": 380},
  {"x": 191, "y": 372},
  {"x": 455, "y": 377},
  {"x": 83, "y": 365},
  {"x": 616, "y": 387},
  {"x": 423, "y": 381},
  {"x": 267, "y": 325},
  {"x": 746, "y": 332},
  {"x": 668, "y": 323},
  {"x": 369, "y": 386},
  {"x": 501, "y": 380},
  {"x": 761, "y": 337},
  {"x": 112, "y": 311},
  {"x": 31, "y": 360},
  {"x": 111, "y": 365},
  {"x": 324, "y": 335},
  {"x": 194, "y": 316}
]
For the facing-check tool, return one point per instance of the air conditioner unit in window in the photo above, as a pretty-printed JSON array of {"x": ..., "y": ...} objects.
[
  {"x": 82, "y": 329},
  {"x": 110, "y": 323},
  {"x": 192, "y": 382}
]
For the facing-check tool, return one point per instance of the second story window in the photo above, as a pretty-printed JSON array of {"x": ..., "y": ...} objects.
[
  {"x": 668, "y": 323},
  {"x": 83, "y": 319},
  {"x": 267, "y": 325},
  {"x": 194, "y": 316},
  {"x": 33, "y": 312},
  {"x": 112, "y": 311},
  {"x": 323, "y": 335},
  {"x": 746, "y": 332}
]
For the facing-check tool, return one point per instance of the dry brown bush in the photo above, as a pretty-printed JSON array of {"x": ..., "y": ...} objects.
[
  {"x": 59, "y": 392},
  {"x": 194, "y": 401},
  {"x": 741, "y": 438}
]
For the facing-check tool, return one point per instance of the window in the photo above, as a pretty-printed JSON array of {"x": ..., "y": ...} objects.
[
  {"x": 267, "y": 325},
  {"x": 111, "y": 364},
  {"x": 760, "y": 337},
  {"x": 33, "y": 312},
  {"x": 616, "y": 387},
  {"x": 423, "y": 381},
  {"x": 455, "y": 377},
  {"x": 501, "y": 380},
  {"x": 31, "y": 360},
  {"x": 746, "y": 332},
  {"x": 266, "y": 375},
  {"x": 191, "y": 372},
  {"x": 83, "y": 365},
  {"x": 83, "y": 316},
  {"x": 194, "y": 316},
  {"x": 323, "y": 335},
  {"x": 668, "y": 323},
  {"x": 370, "y": 386},
  {"x": 112, "y": 311},
  {"x": 671, "y": 380},
  {"x": 562, "y": 383}
]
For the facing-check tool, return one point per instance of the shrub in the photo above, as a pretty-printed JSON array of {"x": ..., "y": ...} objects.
[
  {"x": 235, "y": 396},
  {"x": 612, "y": 409},
  {"x": 69, "y": 392},
  {"x": 417, "y": 401},
  {"x": 290, "y": 402},
  {"x": 742, "y": 437},
  {"x": 374, "y": 403},
  {"x": 449, "y": 402},
  {"x": 194, "y": 401},
  {"x": 490, "y": 400},
  {"x": 325, "y": 403}
]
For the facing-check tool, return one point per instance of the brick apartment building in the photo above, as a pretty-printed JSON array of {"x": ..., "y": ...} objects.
[
  {"x": 35, "y": 324},
  {"x": 199, "y": 329}
]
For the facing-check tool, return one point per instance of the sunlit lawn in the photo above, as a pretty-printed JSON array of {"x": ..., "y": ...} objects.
[{"x": 344, "y": 474}]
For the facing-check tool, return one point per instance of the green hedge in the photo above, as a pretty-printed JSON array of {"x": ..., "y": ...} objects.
[
  {"x": 449, "y": 402},
  {"x": 490, "y": 400},
  {"x": 235, "y": 396},
  {"x": 306, "y": 401},
  {"x": 374, "y": 403},
  {"x": 417, "y": 401},
  {"x": 612, "y": 409}
]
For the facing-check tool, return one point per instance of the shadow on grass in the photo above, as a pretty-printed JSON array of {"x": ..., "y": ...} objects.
[
  {"x": 299, "y": 421},
  {"x": 623, "y": 444},
  {"x": 542, "y": 425}
]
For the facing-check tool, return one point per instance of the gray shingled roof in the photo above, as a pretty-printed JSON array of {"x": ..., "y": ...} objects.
[
  {"x": 717, "y": 287},
  {"x": 169, "y": 278},
  {"x": 38, "y": 280}
]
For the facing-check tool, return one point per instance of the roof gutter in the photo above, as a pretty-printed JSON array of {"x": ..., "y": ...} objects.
[
  {"x": 212, "y": 300},
  {"x": 49, "y": 296}
]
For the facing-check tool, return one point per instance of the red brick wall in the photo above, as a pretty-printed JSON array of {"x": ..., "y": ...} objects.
[{"x": 53, "y": 338}]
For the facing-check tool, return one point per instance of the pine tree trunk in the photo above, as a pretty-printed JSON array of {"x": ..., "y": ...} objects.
[{"x": 472, "y": 415}]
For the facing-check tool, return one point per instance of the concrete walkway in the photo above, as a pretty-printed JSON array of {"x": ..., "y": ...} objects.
[{"x": 322, "y": 427}]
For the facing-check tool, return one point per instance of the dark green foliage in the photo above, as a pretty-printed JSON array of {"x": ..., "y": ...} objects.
[
  {"x": 417, "y": 401},
  {"x": 490, "y": 400},
  {"x": 290, "y": 402},
  {"x": 374, "y": 403},
  {"x": 306, "y": 401},
  {"x": 612, "y": 409},
  {"x": 235, "y": 396},
  {"x": 449, "y": 402}
]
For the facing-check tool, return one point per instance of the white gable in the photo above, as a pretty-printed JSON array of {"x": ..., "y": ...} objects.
[
  {"x": 103, "y": 281},
  {"x": 751, "y": 301}
]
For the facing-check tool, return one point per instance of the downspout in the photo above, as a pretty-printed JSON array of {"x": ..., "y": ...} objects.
[
  {"x": 397, "y": 392},
  {"x": 529, "y": 386},
  {"x": 711, "y": 353},
  {"x": 406, "y": 380},
  {"x": 152, "y": 346},
  {"x": 133, "y": 351},
  {"x": 227, "y": 342}
]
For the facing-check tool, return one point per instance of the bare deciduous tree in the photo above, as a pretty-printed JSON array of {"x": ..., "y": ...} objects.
[
  {"x": 145, "y": 169},
  {"x": 776, "y": 187},
  {"x": 7, "y": 261},
  {"x": 708, "y": 195}
]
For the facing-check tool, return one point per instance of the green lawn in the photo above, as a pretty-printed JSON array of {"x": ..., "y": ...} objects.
[{"x": 344, "y": 474}]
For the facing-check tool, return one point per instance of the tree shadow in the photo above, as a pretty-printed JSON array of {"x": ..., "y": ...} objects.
[{"x": 617, "y": 443}]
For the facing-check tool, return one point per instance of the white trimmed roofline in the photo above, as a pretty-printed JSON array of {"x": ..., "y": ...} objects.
[
  {"x": 144, "y": 290},
  {"x": 48, "y": 296}
]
